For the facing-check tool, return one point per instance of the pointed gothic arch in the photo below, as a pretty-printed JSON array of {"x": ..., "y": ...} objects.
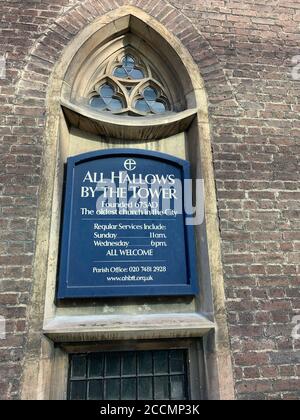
[{"x": 184, "y": 132}]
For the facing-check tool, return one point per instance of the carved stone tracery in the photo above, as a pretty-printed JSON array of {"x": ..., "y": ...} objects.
[{"x": 129, "y": 86}]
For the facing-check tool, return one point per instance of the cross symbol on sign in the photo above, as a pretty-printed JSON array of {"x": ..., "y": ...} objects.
[{"x": 130, "y": 164}]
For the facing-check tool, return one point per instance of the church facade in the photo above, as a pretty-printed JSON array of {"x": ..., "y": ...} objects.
[{"x": 163, "y": 90}]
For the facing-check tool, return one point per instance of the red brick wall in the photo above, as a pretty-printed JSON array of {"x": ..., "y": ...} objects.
[{"x": 244, "y": 52}]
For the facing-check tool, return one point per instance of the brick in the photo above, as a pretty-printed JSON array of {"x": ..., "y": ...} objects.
[
  {"x": 252, "y": 359},
  {"x": 254, "y": 386},
  {"x": 251, "y": 372}
]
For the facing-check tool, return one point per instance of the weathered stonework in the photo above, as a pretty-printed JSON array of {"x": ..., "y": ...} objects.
[{"x": 244, "y": 53}]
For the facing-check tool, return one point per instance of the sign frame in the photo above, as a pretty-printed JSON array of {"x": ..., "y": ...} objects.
[{"x": 64, "y": 292}]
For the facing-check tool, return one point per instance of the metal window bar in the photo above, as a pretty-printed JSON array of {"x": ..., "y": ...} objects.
[{"x": 129, "y": 375}]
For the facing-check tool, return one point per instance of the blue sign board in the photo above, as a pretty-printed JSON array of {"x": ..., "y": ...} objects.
[{"x": 124, "y": 230}]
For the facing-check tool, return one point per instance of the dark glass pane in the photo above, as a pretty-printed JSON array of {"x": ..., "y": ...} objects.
[
  {"x": 115, "y": 105},
  {"x": 78, "y": 367},
  {"x": 128, "y": 63},
  {"x": 78, "y": 390},
  {"x": 112, "y": 364},
  {"x": 145, "y": 363},
  {"x": 129, "y": 364},
  {"x": 95, "y": 390},
  {"x": 137, "y": 74},
  {"x": 145, "y": 388},
  {"x": 177, "y": 387},
  {"x": 176, "y": 361},
  {"x": 96, "y": 365},
  {"x": 97, "y": 102},
  {"x": 150, "y": 94},
  {"x": 145, "y": 375},
  {"x": 142, "y": 106},
  {"x": 112, "y": 389},
  {"x": 129, "y": 389},
  {"x": 120, "y": 72},
  {"x": 161, "y": 388},
  {"x": 160, "y": 362},
  {"x": 158, "y": 107},
  {"x": 107, "y": 91}
]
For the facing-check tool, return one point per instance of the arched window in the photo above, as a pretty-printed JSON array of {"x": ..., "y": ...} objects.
[
  {"x": 125, "y": 82},
  {"x": 126, "y": 88}
]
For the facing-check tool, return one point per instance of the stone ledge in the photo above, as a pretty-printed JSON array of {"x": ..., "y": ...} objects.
[
  {"x": 120, "y": 327},
  {"x": 126, "y": 127}
]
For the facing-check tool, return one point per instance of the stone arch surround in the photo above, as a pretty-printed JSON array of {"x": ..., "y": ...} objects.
[{"x": 49, "y": 46}]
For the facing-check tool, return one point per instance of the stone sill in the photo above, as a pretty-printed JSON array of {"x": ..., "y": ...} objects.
[
  {"x": 134, "y": 128},
  {"x": 120, "y": 327}
]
